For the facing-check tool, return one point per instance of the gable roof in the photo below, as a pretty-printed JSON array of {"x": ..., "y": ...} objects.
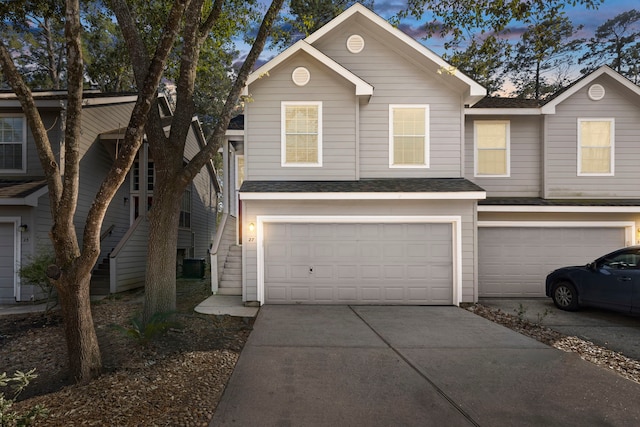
[
  {"x": 475, "y": 90},
  {"x": 362, "y": 88},
  {"x": 550, "y": 106},
  {"x": 19, "y": 192}
]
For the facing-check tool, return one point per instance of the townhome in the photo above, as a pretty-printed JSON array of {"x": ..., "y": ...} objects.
[
  {"x": 25, "y": 217},
  {"x": 366, "y": 170}
]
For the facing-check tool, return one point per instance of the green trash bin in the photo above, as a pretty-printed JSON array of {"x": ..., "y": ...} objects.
[{"x": 193, "y": 268}]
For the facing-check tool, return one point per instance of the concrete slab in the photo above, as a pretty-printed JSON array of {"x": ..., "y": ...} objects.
[
  {"x": 361, "y": 366},
  {"x": 231, "y": 305},
  {"x": 330, "y": 386},
  {"x": 616, "y": 331}
]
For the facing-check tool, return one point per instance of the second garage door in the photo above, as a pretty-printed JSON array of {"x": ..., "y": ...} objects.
[
  {"x": 514, "y": 261},
  {"x": 355, "y": 263}
]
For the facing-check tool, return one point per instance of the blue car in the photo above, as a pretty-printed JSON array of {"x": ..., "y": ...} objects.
[{"x": 611, "y": 282}]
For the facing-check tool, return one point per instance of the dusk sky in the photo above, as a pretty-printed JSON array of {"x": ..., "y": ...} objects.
[{"x": 579, "y": 15}]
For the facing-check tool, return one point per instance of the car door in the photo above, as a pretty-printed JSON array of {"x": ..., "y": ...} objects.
[{"x": 612, "y": 281}]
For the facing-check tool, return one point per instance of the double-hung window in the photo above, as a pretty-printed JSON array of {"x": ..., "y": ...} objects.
[
  {"x": 301, "y": 134},
  {"x": 13, "y": 143},
  {"x": 595, "y": 147},
  {"x": 409, "y": 136},
  {"x": 492, "y": 144}
]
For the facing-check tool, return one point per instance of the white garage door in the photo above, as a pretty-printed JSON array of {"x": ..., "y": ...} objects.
[
  {"x": 7, "y": 263},
  {"x": 385, "y": 263},
  {"x": 514, "y": 261}
]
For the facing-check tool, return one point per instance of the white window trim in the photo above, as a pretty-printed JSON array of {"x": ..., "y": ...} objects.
[
  {"x": 425, "y": 165},
  {"x": 475, "y": 149},
  {"x": 613, "y": 145},
  {"x": 24, "y": 144},
  {"x": 283, "y": 136}
]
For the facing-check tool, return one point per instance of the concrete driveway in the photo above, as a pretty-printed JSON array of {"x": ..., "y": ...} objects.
[
  {"x": 615, "y": 331},
  {"x": 412, "y": 366}
]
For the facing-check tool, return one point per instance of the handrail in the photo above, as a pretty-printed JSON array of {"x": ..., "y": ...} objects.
[
  {"x": 107, "y": 232},
  {"x": 219, "y": 232},
  {"x": 213, "y": 253},
  {"x": 125, "y": 238}
]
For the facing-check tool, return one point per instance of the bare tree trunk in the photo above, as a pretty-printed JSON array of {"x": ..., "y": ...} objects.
[
  {"x": 83, "y": 351},
  {"x": 160, "y": 281}
]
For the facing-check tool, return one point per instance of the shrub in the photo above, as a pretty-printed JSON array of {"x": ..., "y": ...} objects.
[
  {"x": 145, "y": 332},
  {"x": 34, "y": 273},
  {"x": 19, "y": 382}
]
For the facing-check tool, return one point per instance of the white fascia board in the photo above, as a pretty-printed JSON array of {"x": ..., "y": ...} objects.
[
  {"x": 362, "y": 88},
  {"x": 234, "y": 132},
  {"x": 476, "y": 91},
  {"x": 468, "y": 195},
  {"x": 502, "y": 111},
  {"x": 560, "y": 209},
  {"x": 550, "y": 107},
  {"x": 557, "y": 224}
]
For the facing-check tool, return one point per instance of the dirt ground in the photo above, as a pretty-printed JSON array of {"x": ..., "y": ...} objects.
[{"x": 175, "y": 380}]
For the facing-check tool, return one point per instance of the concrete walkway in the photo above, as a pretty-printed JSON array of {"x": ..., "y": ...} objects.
[{"x": 412, "y": 366}]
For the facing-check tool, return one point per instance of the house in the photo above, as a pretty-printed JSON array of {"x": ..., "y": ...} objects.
[
  {"x": 366, "y": 170},
  {"x": 25, "y": 217}
]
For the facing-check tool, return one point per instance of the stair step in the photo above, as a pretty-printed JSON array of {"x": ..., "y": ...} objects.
[
  {"x": 230, "y": 291},
  {"x": 231, "y": 278}
]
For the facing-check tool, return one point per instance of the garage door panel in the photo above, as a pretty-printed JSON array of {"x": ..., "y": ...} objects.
[
  {"x": 358, "y": 263},
  {"x": 514, "y": 261}
]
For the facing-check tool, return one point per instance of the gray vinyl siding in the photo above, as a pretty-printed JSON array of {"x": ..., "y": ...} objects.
[
  {"x": 525, "y": 179},
  {"x": 463, "y": 208},
  {"x": 94, "y": 165},
  {"x": 197, "y": 238},
  {"x": 562, "y": 180},
  {"x": 263, "y": 124},
  {"x": 130, "y": 262},
  {"x": 398, "y": 79}
]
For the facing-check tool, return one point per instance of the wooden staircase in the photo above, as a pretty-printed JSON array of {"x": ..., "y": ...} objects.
[{"x": 231, "y": 280}]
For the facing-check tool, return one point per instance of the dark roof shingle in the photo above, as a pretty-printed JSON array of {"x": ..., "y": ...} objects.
[{"x": 398, "y": 185}]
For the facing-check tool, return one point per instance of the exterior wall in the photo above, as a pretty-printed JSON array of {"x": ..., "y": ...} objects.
[
  {"x": 562, "y": 180},
  {"x": 525, "y": 179},
  {"x": 129, "y": 259},
  {"x": 463, "y": 208},
  {"x": 263, "y": 123},
  {"x": 397, "y": 79}
]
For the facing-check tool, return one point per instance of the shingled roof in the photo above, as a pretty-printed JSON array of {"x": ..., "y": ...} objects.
[
  {"x": 16, "y": 189},
  {"x": 498, "y": 102},
  {"x": 401, "y": 185}
]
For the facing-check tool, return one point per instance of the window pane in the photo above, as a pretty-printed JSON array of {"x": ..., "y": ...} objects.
[
  {"x": 12, "y": 140},
  {"x": 491, "y": 135},
  {"x": 408, "y": 150},
  {"x": 301, "y": 133},
  {"x": 596, "y": 160},
  {"x": 595, "y": 146},
  {"x": 595, "y": 134},
  {"x": 492, "y": 162},
  {"x": 409, "y": 136}
]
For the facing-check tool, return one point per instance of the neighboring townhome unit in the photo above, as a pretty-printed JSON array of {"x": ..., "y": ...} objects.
[{"x": 25, "y": 216}]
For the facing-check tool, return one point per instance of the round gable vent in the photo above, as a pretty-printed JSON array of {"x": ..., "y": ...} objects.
[
  {"x": 596, "y": 92},
  {"x": 355, "y": 43},
  {"x": 301, "y": 76}
]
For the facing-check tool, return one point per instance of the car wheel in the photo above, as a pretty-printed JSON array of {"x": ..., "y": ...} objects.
[{"x": 565, "y": 296}]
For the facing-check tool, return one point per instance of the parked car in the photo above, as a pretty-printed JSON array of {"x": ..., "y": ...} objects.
[{"x": 611, "y": 281}]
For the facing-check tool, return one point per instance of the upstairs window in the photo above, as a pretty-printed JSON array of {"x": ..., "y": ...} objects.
[
  {"x": 301, "y": 134},
  {"x": 492, "y": 145},
  {"x": 408, "y": 136},
  {"x": 185, "y": 209},
  {"x": 595, "y": 147},
  {"x": 13, "y": 143}
]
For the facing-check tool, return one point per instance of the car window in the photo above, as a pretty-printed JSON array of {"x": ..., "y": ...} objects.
[{"x": 623, "y": 260}]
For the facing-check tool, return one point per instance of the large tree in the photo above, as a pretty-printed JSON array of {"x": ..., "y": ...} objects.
[
  {"x": 616, "y": 43},
  {"x": 471, "y": 28},
  {"x": 203, "y": 21},
  {"x": 543, "y": 56},
  {"x": 72, "y": 271}
]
